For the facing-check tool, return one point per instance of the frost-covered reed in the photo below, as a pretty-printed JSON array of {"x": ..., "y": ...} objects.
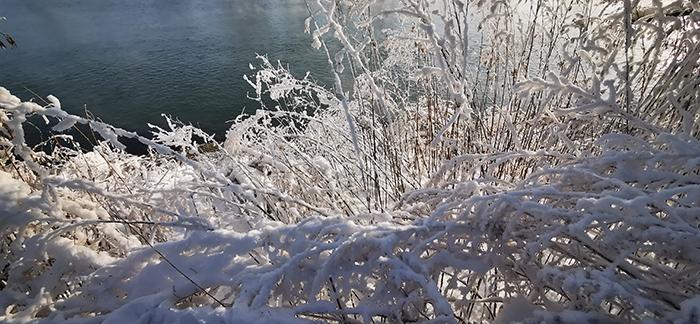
[{"x": 491, "y": 161}]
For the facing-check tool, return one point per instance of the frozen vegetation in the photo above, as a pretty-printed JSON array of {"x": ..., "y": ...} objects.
[{"x": 491, "y": 161}]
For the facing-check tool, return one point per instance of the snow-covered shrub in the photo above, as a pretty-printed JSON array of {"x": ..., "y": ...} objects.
[
  {"x": 490, "y": 161},
  {"x": 6, "y": 40}
]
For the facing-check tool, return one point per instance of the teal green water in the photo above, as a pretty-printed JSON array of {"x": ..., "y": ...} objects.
[{"x": 128, "y": 61}]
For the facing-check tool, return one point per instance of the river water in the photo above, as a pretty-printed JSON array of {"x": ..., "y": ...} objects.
[{"x": 129, "y": 61}]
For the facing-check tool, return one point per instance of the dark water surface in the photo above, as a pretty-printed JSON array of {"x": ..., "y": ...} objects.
[{"x": 128, "y": 61}]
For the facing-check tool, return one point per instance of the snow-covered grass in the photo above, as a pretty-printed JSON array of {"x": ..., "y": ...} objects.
[{"x": 495, "y": 161}]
